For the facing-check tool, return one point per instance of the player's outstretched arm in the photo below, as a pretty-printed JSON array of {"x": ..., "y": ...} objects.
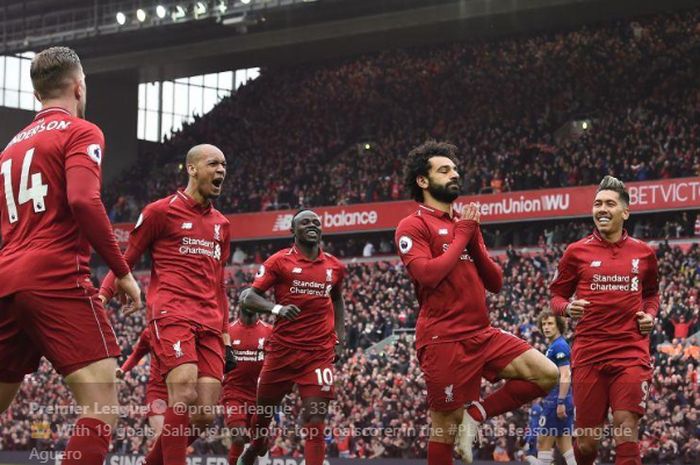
[
  {"x": 141, "y": 348},
  {"x": 255, "y": 301},
  {"x": 83, "y": 194},
  {"x": 140, "y": 239},
  {"x": 490, "y": 272}
]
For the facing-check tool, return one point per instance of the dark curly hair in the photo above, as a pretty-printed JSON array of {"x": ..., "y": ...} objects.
[
  {"x": 561, "y": 322},
  {"x": 418, "y": 164}
]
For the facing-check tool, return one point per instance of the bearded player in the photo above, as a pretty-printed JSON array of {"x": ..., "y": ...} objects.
[
  {"x": 446, "y": 258},
  {"x": 188, "y": 308},
  {"x": 248, "y": 335},
  {"x": 156, "y": 389},
  {"x": 50, "y": 215},
  {"x": 556, "y": 420},
  {"x": 614, "y": 279},
  {"x": 307, "y": 284}
]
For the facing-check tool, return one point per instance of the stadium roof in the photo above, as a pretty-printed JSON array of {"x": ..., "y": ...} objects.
[{"x": 276, "y": 31}]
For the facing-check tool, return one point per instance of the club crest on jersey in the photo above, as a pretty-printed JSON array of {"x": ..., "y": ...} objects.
[
  {"x": 449, "y": 393},
  {"x": 217, "y": 232},
  {"x": 329, "y": 274},
  {"x": 405, "y": 244},
  {"x": 178, "y": 349},
  {"x": 635, "y": 266},
  {"x": 261, "y": 343},
  {"x": 94, "y": 151}
]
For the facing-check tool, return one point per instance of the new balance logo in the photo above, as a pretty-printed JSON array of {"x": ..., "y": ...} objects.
[
  {"x": 596, "y": 264},
  {"x": 236, "y": 342},
  {"x": 296, "y": 270},
  {"x": 442, "y": 231},
  {"x": 283, "y": 222},
  {"x": 186, "y": 225}
]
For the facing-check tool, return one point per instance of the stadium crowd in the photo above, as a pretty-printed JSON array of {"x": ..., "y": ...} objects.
[
  {"x": 335, "y": 133},
  {"x": 384, "y": 389}
]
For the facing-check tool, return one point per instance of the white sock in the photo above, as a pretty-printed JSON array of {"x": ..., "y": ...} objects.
[
  {"x": 545, "y": 456},
  {"x": 569, "y": 457}
]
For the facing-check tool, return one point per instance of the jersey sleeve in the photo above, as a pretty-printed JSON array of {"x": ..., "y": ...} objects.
[
  {"x": 412, "y": 241},
  {"x": 85, "y": 147},
  {"x": 563, "y": 286},
  {"x": 267, "y": 274},
  {"x": 562, "y": 355},
  {"x": 223, "y": 295},
  {"x": 650, "y": 286},
  {"x": 147, "y": 229}
]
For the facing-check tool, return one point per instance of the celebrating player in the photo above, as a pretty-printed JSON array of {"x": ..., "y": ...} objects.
[
  {"x": 308, "y": 294},
  {"x": 187, "y": 303},
  {"x": 248, "y": 335},
  {"x": 557, "y": 408},
  {"x": 156, "y": 389},
  {"x": 615, "y": 281},
  {"x": 50, "y": 215},
  {"x": 447, "y": 260}
]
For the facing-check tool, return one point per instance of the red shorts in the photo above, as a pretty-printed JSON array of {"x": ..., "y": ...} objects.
[
  {"x": 453, "y": 370},
  {"x": 156, "y": 397},
  {"x": 238, "y": 411},
  {"x": 615, "y": 385},
  {"x": 69, "y": 327},
  {"x": 178, "y": 342},
  {"x": 310, "y": 370}
]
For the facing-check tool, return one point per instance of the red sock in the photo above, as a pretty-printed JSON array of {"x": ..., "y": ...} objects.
[
  {"x": 234, "y": 452},
  {"x": 439, "y": 453},
  {"x": 513, "y": 394},
  {"x": 627, "y": 453},
  {"x": 155, "y": 455},
  {"x": 175, "y": 442},
  {"x": 315, "y": 446},
  {"x": 89, "y": 443},
  {"x": 582, "y": 459}
]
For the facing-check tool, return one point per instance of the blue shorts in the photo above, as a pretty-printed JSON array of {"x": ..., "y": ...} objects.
[{"x": 551, "y": 425}]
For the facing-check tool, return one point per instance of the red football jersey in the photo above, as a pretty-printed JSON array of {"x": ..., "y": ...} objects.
[
  {"x": 248, "y": 343},
  {"x": 43, "y": 246},
  {"x": 455, "y": 307},
  {"x": 306, "y": 284},
  {"x": 618, "y": 280},
  {"x": 189, "y": 247}
]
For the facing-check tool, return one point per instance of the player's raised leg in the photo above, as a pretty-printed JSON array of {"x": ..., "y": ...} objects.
[{"x": 529, "y": 375}]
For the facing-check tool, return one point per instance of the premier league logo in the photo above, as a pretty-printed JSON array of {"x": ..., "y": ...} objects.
[{"x": 405, "y": 244}]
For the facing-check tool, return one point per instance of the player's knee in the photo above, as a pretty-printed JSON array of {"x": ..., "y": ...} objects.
[
  {"x": 549, "y": 376},
  {"x": 625, "y": 425},
  {"x": 588, "y": 446},
  {"x": 202, "y": 420},
  {"x": 184, "y": 393}
]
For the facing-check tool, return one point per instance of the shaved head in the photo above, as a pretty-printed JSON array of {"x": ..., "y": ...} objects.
[{"x": 197, "y": 152}]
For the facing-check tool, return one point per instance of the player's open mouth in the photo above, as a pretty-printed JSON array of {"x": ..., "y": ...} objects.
[
  {"x": 603, "y": 219},
  {"x": 217, "y": 182}
]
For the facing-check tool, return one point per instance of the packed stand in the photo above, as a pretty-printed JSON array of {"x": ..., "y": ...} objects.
[
  {"x": 385, "y": 389},
  {"x": 336, "y": 133}
]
